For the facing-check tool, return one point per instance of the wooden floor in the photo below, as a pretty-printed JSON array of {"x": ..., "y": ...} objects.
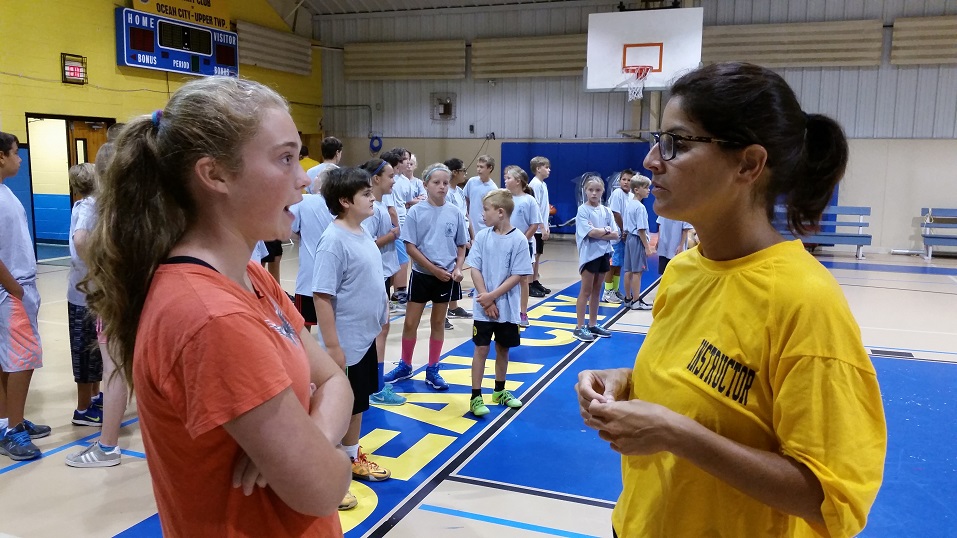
[{"x": 537, "y": 471}]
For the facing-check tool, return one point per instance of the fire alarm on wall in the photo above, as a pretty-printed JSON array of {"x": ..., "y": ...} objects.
[{"x": 442, "y": 106}]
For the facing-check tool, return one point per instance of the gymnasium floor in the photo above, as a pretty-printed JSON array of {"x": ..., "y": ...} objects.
[{"x": 537, "y": 471}]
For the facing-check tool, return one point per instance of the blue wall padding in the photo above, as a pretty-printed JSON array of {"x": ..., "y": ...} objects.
[
  {"x": 572, "y": 159},
  {"x": 20, "y": 185},
  {"x": 52, "y": 214}
]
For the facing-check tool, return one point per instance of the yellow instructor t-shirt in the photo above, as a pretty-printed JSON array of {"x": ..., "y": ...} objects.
[{"x": 764, "y": 351}]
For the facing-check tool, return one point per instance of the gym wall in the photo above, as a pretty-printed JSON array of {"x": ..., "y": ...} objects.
[{"x": 894, "y": 115}]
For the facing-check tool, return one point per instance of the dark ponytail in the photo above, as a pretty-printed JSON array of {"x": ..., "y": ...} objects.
[
  {"x": 748, "y": 104},
  {"x": 374, "y": 166},
  {"x": 824, "y": 162}
]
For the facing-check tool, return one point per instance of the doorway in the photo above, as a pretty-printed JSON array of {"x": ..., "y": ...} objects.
[{"x": 56, "y": 143}]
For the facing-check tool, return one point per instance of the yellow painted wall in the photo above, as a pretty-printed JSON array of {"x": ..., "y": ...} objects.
[
  {"x": 33, "y": 35},
  {"x": 48, "y": 157}
]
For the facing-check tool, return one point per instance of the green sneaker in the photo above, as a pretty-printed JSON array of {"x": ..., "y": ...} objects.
[
  {"x": 477, "y": 406},
  {"x": 505, "y": 398}
]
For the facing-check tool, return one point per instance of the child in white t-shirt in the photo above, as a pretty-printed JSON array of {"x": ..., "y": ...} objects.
[
  {"x": 595, "y": 229},
  {"x": 499, "y": 260}
]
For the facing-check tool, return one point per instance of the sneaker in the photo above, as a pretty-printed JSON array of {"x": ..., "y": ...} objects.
[
  {"x": 402, "y": 297},
  {"x": 472, "y": 292},
  {"x": 628, "y": 302},
  {"x": 583, "y": 334},
  {"x": 619, "y": 295},
  {"x": 92, "y": 416},
  {"x": 459, "y": 313},
  {"x": 535, "y": 292},
  {"x": 387, "y": 396},
  {"x": 97, "y": 401},
  {"x": 365, "y": 469},
  {"x": 396, "y": 307},
  {"x": 609, "y": 296},
  {"x": 36, "y": 431},
  {"x": 448, "y": 325},
  {"x": 524, "y": 321},
  {"x": 432, "y": 377},
  {"x": 505, "y": 398},
  {"x": 540, "y": 287},
  {"x": 16, "y": 444},
  {"x": 348, "y": 502},
  {"x": 641, "y": 305},
  {"x": 400, "y": 372},
  {"x": 478, "y": 407},
  {"x": 599, "y": 331},
  {"x": 94, "y": 456}
]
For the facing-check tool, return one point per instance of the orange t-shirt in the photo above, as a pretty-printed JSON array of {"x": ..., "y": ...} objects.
[{"x": 206, "y": 352}]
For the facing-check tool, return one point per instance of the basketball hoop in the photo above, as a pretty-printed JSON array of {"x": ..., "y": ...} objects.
[{"x": 636, "y": 83}]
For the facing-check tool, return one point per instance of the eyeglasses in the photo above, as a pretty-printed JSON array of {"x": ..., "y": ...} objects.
[{"x": 666, "y": 142}]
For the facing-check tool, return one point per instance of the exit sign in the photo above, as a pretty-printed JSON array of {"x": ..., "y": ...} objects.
[{"x": 73, "y": 69}]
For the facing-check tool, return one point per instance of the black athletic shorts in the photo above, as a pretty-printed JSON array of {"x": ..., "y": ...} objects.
[
  {"x": 275, "y": 250},
  {"x": 662, "y": 263},
  {"x": 539, "y": 244},
  {"x": 424, "y": 288},
  {"x": 601, "y": 264},
  {"x": 364, "y": 380},
  {"x": 307, "y": 307},
  {"x": 506, "y": 334}
]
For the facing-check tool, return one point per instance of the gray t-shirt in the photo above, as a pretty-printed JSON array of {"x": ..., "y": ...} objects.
[
  {"x": 316, "y": 171},
  {"x": 83, "y": 217},
  {"x": 456, "y": 197},
  {"x": 312, "y": 217},
  {"x": 379, "y": 224},
  {"x": 475, "y": 190},
  {"x": 635, "y": 217},
  {"x": 349, "y": 268},
  {"x": 525, "y": 213},
  {"x": 669, "y": 236},
  {"x": 16, "y": 247},
  {"x": 401, "y": 195},
  {"x": 589, "y": 217},
  {"x": 497, "y": 257},
  {"x": 437, "y": 231},
  {"x": 541, "y": 198}
]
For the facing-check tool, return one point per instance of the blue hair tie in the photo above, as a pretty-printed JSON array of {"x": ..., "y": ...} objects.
[
  {"x": 379, "y": 169},
  {"x": 156, "y": 117}
]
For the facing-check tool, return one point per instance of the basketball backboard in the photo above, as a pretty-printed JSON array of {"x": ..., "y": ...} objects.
[{"x": 669, "y": 40}]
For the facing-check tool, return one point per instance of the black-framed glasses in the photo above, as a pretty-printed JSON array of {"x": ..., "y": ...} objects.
[{"x": 668, "y": 148}]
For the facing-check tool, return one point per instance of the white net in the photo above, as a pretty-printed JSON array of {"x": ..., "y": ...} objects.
[{"x": 636, "y": 80}]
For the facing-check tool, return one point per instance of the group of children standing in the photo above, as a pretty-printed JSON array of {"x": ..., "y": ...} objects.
[
  {"x": 611, "y": 239},
  {"x": 360, "y": 229}
]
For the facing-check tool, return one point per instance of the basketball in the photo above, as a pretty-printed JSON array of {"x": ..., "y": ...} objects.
[{"x": 552, "y": 210}]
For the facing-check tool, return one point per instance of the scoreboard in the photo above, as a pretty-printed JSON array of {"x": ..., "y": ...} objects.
[{"x": 154, "y": 42}]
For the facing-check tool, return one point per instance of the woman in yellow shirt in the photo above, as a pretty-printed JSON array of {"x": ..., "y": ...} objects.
[{"x": 753, "y": 408}]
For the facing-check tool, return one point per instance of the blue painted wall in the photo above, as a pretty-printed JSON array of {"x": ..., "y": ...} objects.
[
  {"x": 52, "y": 217},
  {"x": 570, "y": 160},
  {"x": 23, "y": 189}
]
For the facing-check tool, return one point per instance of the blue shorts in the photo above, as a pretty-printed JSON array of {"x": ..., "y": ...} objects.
[
  {"x": 618, "y": 255},
  {"x": 401, "y": 251}
]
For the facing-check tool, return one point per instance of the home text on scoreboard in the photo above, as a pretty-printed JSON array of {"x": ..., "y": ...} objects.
[{"x": 155, "y": 42}]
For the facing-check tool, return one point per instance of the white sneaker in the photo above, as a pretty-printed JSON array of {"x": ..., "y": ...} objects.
[
  {"x": 610, "y": 297},
  {"x": 94, "y": 456}
]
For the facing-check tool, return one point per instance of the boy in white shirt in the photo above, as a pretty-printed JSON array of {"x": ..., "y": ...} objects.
[
  {"x": 541, "y": 168},
  {"x": 499, "y": 259},
  {"x": 617, "y": 202},
  {"x": 20, "y": 351}
]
